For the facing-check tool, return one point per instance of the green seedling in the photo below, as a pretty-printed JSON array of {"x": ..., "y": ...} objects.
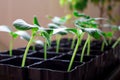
[
  {"x": 79, "y": 34},
  {"x": 111, "y": 36},
  {"x": 36, "y": 30},
  {"x": 83, "y": 22},
  {"x": 22, "y": 25},
  {"x": 58, "y": 23},
  {"x": 14, "y": 35}
]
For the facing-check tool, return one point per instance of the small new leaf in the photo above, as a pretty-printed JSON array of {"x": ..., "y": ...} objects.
[
  {"x": 22, "y": 25},
  {"x": 77, "y": 14},
  {"x": 35, "y": 21}
]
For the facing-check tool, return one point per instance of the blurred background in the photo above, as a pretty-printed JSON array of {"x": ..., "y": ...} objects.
[{"x": 11, "y": 10}]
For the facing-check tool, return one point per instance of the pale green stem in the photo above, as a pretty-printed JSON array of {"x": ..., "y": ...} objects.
[
  {"x": 83, "y": 50},
  {"x": 11, "y": 47},
  {"x": 69, "y": 40},
  {"x": 45, "y": 51},
  {"x": 73, "y": 42},
  {"x": 117, "y": 42},
  {"x": 110, "y": 40},
  {"x": 33, "y": 47},
  {"x": 88, "y": 48},
  {"x": 103, "y": 45},
  {"x": 73, "y": 56},
  {"x": 58, "y": 43},
  {"x": 26, "y": 50}
]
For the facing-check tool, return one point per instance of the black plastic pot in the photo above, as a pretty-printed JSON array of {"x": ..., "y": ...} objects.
[
  {"x": 15, "y": 52},
  {"x": 36, "y": 47},
  {"x": 10, "y": 69},
  {"x": 2, "y": 57},
  {"x": 56, "y": 70},
  {"x": 61, "y": 50},
  {"x": 40, "y": 55},
  {"x": 89, "y": 64}
]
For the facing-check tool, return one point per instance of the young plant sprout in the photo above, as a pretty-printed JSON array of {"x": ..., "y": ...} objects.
[
  {"x": 46, "y": 34},
  {"x": 36, "y": 30},
  {"x": 14, "y": 35},
  {"x": 57, "y": 24},
  {"x": 79, "y": 34},
  {"x": 114, "y": 29},
  {"x": 85, "y": 21},
  {"x": 22, "y": 25}
]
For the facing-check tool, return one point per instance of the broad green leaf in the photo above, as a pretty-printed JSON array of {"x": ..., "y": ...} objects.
[
  {"x": 53, "y": 26},
  {"x": 61, "y": 31},
  {"x": 96, "y": 33},
  {"x": 108, "y": 34},
  {"x": 77, "y": 14},
  {"x": 74, "y": 31},
  {"x": 4, "y": 28},
  {"x": 23, "y": 35},
  {"x": 86, "y": 23},
  {"x": 80, "y": 5},
  {"x": 58, "y": 20},
  {"x": 22, "y": 25},
  {"x": 35, "y": 21}
]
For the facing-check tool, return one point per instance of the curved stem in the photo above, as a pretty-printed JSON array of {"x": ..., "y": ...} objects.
[
  {"x": 117, "y": 42},
  {"x": 88, "y": 49},
  {"x": 73, "y": 42},
  {"x": 58, "y": 43},
  {"x": 26, "y": 50},
  {"x": 73, "y": 56},
  {"x": 83, "y": 50}
]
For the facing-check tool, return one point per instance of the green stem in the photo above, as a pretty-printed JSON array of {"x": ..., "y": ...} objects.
[
  {"x": 103, "y": 45},
  {"x": 69, "y": 40},
  {"x": 73, "y": 56},
  {"x": 33, "y": 47},
  {"x": 83, "y": 50},
  {"x": 26, "y": 50},
  {"x": 88, "y": 49},
  {"x": 117, "y": 42},
  {"x": 11, "y": 47},
  {"x": 45, "y": 51},
  {"x": 73, "y": 42},
  {"x": 58, "y": 43}
]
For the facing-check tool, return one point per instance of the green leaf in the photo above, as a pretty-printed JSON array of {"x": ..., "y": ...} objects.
[
  {"x": 77, "y": 14},
  {"x": 74, "y": 31},
  {"x": 86, "y": 23},
  {"x": 96, "y": 33},
  {"x": 108, "y": 34},
  {"x": 61, "y": 31},
  {"x": 4, "y": 28},
  {"x": 14, "y": 35},
  {"x": 35, "y": 21},
  {"x": 53, "y": 26},
  {"x": 22, "y": 25},
  {"x": 23, "y": 35},
  {"x": 80, "y": 5},
  {"x": 58, "y": 20},
  {"x": 47, "y": 35}
]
